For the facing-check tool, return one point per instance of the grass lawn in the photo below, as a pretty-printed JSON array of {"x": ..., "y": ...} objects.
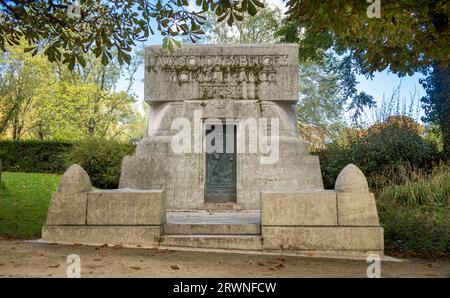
[{"x": 24, "y": 200}]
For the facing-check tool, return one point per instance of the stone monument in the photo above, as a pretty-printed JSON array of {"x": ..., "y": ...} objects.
[
  {"x": 222, "y": 134},
  {"x": 235, "y": 86}
]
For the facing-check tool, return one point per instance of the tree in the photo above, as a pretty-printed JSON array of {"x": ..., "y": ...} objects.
[
  {"x": 320, "y": 105},
  {"x": 437, "y": 103},
  {"x": 47, "y": 101},
  {"x": 408, "y": 35},
  {"x": 260, "y": 28},
  {"x": 401, "y": 36},
  {"x": 66, "y": 30},
  {"x": 20, "y": 76}
]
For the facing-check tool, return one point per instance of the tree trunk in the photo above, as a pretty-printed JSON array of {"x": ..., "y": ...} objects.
[{"x": 16, "y": 127}]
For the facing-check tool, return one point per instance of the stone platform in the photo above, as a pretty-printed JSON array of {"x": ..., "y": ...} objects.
[{"x": 339, "y": 222}]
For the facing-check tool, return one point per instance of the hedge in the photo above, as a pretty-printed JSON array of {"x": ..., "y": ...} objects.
[{"x": 34, "y": 156}]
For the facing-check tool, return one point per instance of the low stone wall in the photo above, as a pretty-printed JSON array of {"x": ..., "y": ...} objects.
[
  {"x": 114, "y": 217},
  {"x": 340, "y": 221}
]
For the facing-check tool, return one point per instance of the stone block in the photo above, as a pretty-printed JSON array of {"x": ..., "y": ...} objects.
[
  {"x": 240, "y": 242},
  {"x": 99, "y": 235},
  {"x": 74, "y": 180},
  {"x": 351, "y": 179},
  {"x": 323, "y": 238},
  {"x": 299, "y": 209},
  {"x": 238, "y": 72},
  {"x": 67, "y": 209},
  {"x": 357, "y": 209},
  {"x": 126, "y": 207}
]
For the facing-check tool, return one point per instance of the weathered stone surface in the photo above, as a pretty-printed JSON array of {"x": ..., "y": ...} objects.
[
  {"x": 296, "y": 209},
  {"x": 99, "y": 235},
  {"x": 212, "y": 229},
  {"x": 351, "y": 179},
  {"x": 240, "y": 242},
  {"x": 323, "y": 238},
  {"x": 173, "y": 90},
  {"x": 67, "y": 209},
  {"x": 126, "y": 207},
  {"x": 74, "y": 180},
  {"x": 191, "y": 72},
  {"x": 357, "y": 209}
]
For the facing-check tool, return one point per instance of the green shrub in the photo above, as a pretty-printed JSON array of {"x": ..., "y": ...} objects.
[
  {"x": 415, "y": 214},
  {"x": 102, "y": 160},
  {"x": 34, "y": 156},
  {"x": 418, "y": 232},
  {"x": 391, "y": 144},
  {"x": 415, "y": 188}
]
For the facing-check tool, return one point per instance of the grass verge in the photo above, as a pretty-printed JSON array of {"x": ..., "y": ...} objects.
[{"x": 24, "y": 200}]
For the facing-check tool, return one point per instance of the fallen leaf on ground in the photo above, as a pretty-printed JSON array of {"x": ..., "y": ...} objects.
[
  {"x": 174, "y": 267},
  {"x": 279, "y": 266},
  {"x": 96, "y": 260},
  {"x": 135, "y": 267},
  {"x": 53, "y": 266},
  {"x": 260, "y": 264}
]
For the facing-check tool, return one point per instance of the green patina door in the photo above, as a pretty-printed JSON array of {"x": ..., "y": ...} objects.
[{"x": 220, "y": 163}]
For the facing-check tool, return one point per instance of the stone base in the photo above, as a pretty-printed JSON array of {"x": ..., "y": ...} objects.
[
  {"x": 148, "y": 236},
  {"x": 232, "y": 242},
  {"x": 212, "y": 229},
  {"x": 323, "y": 238}
]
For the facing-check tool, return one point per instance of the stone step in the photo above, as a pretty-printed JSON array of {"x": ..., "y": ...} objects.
[
  {"x": 211, "y": 229},
  {"x": 238, "y": 242},
  {"x": 222, "y": 206}
]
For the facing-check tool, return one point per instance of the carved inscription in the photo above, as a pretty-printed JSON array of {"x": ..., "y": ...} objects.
[{"x": 219, "y": 76}]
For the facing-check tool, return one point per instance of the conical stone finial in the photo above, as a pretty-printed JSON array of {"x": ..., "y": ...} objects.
[
  {"x": 351, "y": 179},
  {"x": 74, "y": 180}
]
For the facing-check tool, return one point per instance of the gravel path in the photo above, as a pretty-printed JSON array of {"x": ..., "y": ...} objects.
[{"x": 25, "y": 259}]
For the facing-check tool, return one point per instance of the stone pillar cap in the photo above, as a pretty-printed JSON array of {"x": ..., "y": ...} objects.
[
  {"x": 74, "y": 180},
  {"x": 351, "y": 179}
]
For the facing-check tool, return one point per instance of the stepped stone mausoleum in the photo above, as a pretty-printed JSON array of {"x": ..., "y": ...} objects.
[{"x": 222, "y": 166}]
